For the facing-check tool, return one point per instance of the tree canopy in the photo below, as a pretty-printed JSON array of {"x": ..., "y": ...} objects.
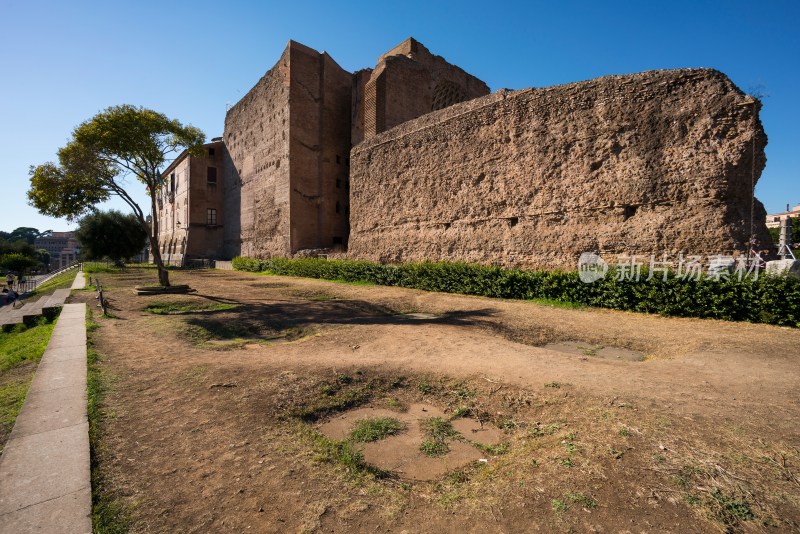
[
  {"x": 110, "y": 234},
  {"x": 117, "y": 143},
  {"x": 24, "y": 233},
  {"x": 20, "y": 256}
]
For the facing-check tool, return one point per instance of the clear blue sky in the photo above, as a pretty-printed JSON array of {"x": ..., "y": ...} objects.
[{"x": 62, "y": 62}]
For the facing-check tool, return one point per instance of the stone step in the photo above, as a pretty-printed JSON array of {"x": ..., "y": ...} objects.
[
  {"x": 16, "y": 316},
  {"x": 57, "y": 299}
]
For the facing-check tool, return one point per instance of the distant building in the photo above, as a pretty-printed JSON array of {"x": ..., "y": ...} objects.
[
  {"x": 57, "y": 243},
  {"x": 190, "y": 206},
  {"x": 774, "y": 219}
]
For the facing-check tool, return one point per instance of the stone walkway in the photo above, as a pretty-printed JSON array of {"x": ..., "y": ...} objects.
[{"x": 44, "y": 470}]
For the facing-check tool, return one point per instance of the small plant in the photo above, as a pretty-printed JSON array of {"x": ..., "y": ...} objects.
[
  {"x": 539, "y": 430},
  {"x": 591, "y": 351},
  {"x": 461, "y": 411},
  {"x": 567, "y": 462},
  {"x": 730, "y": 510},
  {"x": 367, "y": 430},
  {"x": 559, "y": 506},
  {"x": 494, "y": 450},
  {"x": 624, "y": 432},
  {"x": 438, "y": 430},
  {"x": 395, "y": 404},
  {"x": 344, "y": 378},
  {"x": 433, "y": 448},
  {"x": 691, "y": 500},
  {"x": 425, "y": 387},
  {"x": 554, "y": 385},
  {"x": 508, "y": 424},
  {"x": 174, "y": 308},
  {"x": 583, "y": 500}
]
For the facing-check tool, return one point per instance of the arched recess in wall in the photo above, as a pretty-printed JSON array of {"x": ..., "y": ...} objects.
[{"x": 446, "y": 94}]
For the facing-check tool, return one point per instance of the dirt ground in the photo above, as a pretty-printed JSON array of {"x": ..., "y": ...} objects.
[{"x": 625, "y": 423}]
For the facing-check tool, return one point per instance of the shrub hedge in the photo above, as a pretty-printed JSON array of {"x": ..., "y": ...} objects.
[{"x": 766, "y": 299}]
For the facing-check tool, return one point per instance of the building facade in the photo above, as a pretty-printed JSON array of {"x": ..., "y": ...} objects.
[
  {"x": 414, "y": 159},
  {"x": 774, "y": 219},
  {"x": 190, "y": 206},
  {"x": 55, "y": 244}
]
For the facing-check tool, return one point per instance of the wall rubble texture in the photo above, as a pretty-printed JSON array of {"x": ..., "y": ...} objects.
[
  {"x": 409, "y": 82},
  {"x": 256, "y": 184},
  {"x": 655, "y": 162}
]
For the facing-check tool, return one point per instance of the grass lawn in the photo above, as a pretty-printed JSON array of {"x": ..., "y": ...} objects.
[{"x": 20, "y": 352}]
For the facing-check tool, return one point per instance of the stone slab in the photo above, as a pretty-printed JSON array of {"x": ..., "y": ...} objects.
[
  {"x": 50, "y": 409},
  {"x": 79, "y": 282},
  {"x": 65, "y": 514},
  {"x": 44, "y": 466},
  {"x": 75, "y": 352},
  {"x": 61, "y": 374},
  {"x": 66, "y": 340}
]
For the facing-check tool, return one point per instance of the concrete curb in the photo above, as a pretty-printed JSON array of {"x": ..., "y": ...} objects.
[{"x": 45, "y": 481}]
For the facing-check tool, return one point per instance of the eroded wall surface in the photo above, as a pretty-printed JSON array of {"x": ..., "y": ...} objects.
[
  {"x": 320, "y": 95},
  {"x": 655, "y": 162},
  {"x": 409, "y": 82},
  {"x": 256, "y": 183}
]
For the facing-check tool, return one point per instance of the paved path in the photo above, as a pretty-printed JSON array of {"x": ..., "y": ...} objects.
[
  {"x": 44, "y": 469},
  {"x": 79, "y": 282}
]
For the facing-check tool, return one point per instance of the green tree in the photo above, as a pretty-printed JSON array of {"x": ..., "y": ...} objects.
[
  {"x": 795, "y": 235},
  {"x": 17, "y": 262},
  {"x": 27, "y": 234},
  {"x": 119, "y": 142},
  {"x": 43, "y": 256},
  {"x": 110, "y": 234}
]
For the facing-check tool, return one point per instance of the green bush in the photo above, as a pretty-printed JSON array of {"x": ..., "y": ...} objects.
[{"x": 767, "y": 299}]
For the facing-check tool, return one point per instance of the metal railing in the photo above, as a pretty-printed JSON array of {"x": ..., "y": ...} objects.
[
  {"x": 26, "y": 284},
  {"x": 102, "y": 303}
]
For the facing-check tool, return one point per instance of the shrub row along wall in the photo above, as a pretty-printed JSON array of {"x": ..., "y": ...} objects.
[
  {"x": 765, "y": 299},
  {"x": 656, "y": 162}
]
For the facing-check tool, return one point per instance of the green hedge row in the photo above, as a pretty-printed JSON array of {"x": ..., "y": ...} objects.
[{"x": 766, "y": 299}]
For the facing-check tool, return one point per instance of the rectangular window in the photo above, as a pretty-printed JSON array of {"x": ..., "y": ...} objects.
[
  {"x": 211, "y": 175},
  {"x": 211, "y": 216},
  {"x": 211, "y": 152}
]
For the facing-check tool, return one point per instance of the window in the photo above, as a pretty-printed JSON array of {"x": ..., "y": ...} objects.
[
  {"x": 211, "y": 216},
  {"x": 211, "y": 175},
  {"x": 172, "y": 183},
  {"x": 211, "y": 152}
]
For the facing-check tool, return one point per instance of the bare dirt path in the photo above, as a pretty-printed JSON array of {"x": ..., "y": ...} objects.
[{"x": 194, "y": 424}]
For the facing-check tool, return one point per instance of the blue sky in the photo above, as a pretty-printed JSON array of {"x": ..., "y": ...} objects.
[{"x": 62, "y": 62}]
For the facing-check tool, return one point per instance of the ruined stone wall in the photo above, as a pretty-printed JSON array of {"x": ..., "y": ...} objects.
[
  {"x": 320, "y": 96},
  {"x": 256, "y": 182},
  {"x": 409, "y": 82},
  {"x": 656, "y": 162}
]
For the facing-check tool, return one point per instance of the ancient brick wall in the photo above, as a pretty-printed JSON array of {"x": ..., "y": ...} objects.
[
  {"x": 320, "y": 96},
  {"x": 409, "y": 82},
  {"x": 256, "y": 182},
  {"x": 656, "y": 162}
]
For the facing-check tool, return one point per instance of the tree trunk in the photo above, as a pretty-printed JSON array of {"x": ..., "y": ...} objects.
[{"x": 163, "y": 274}]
